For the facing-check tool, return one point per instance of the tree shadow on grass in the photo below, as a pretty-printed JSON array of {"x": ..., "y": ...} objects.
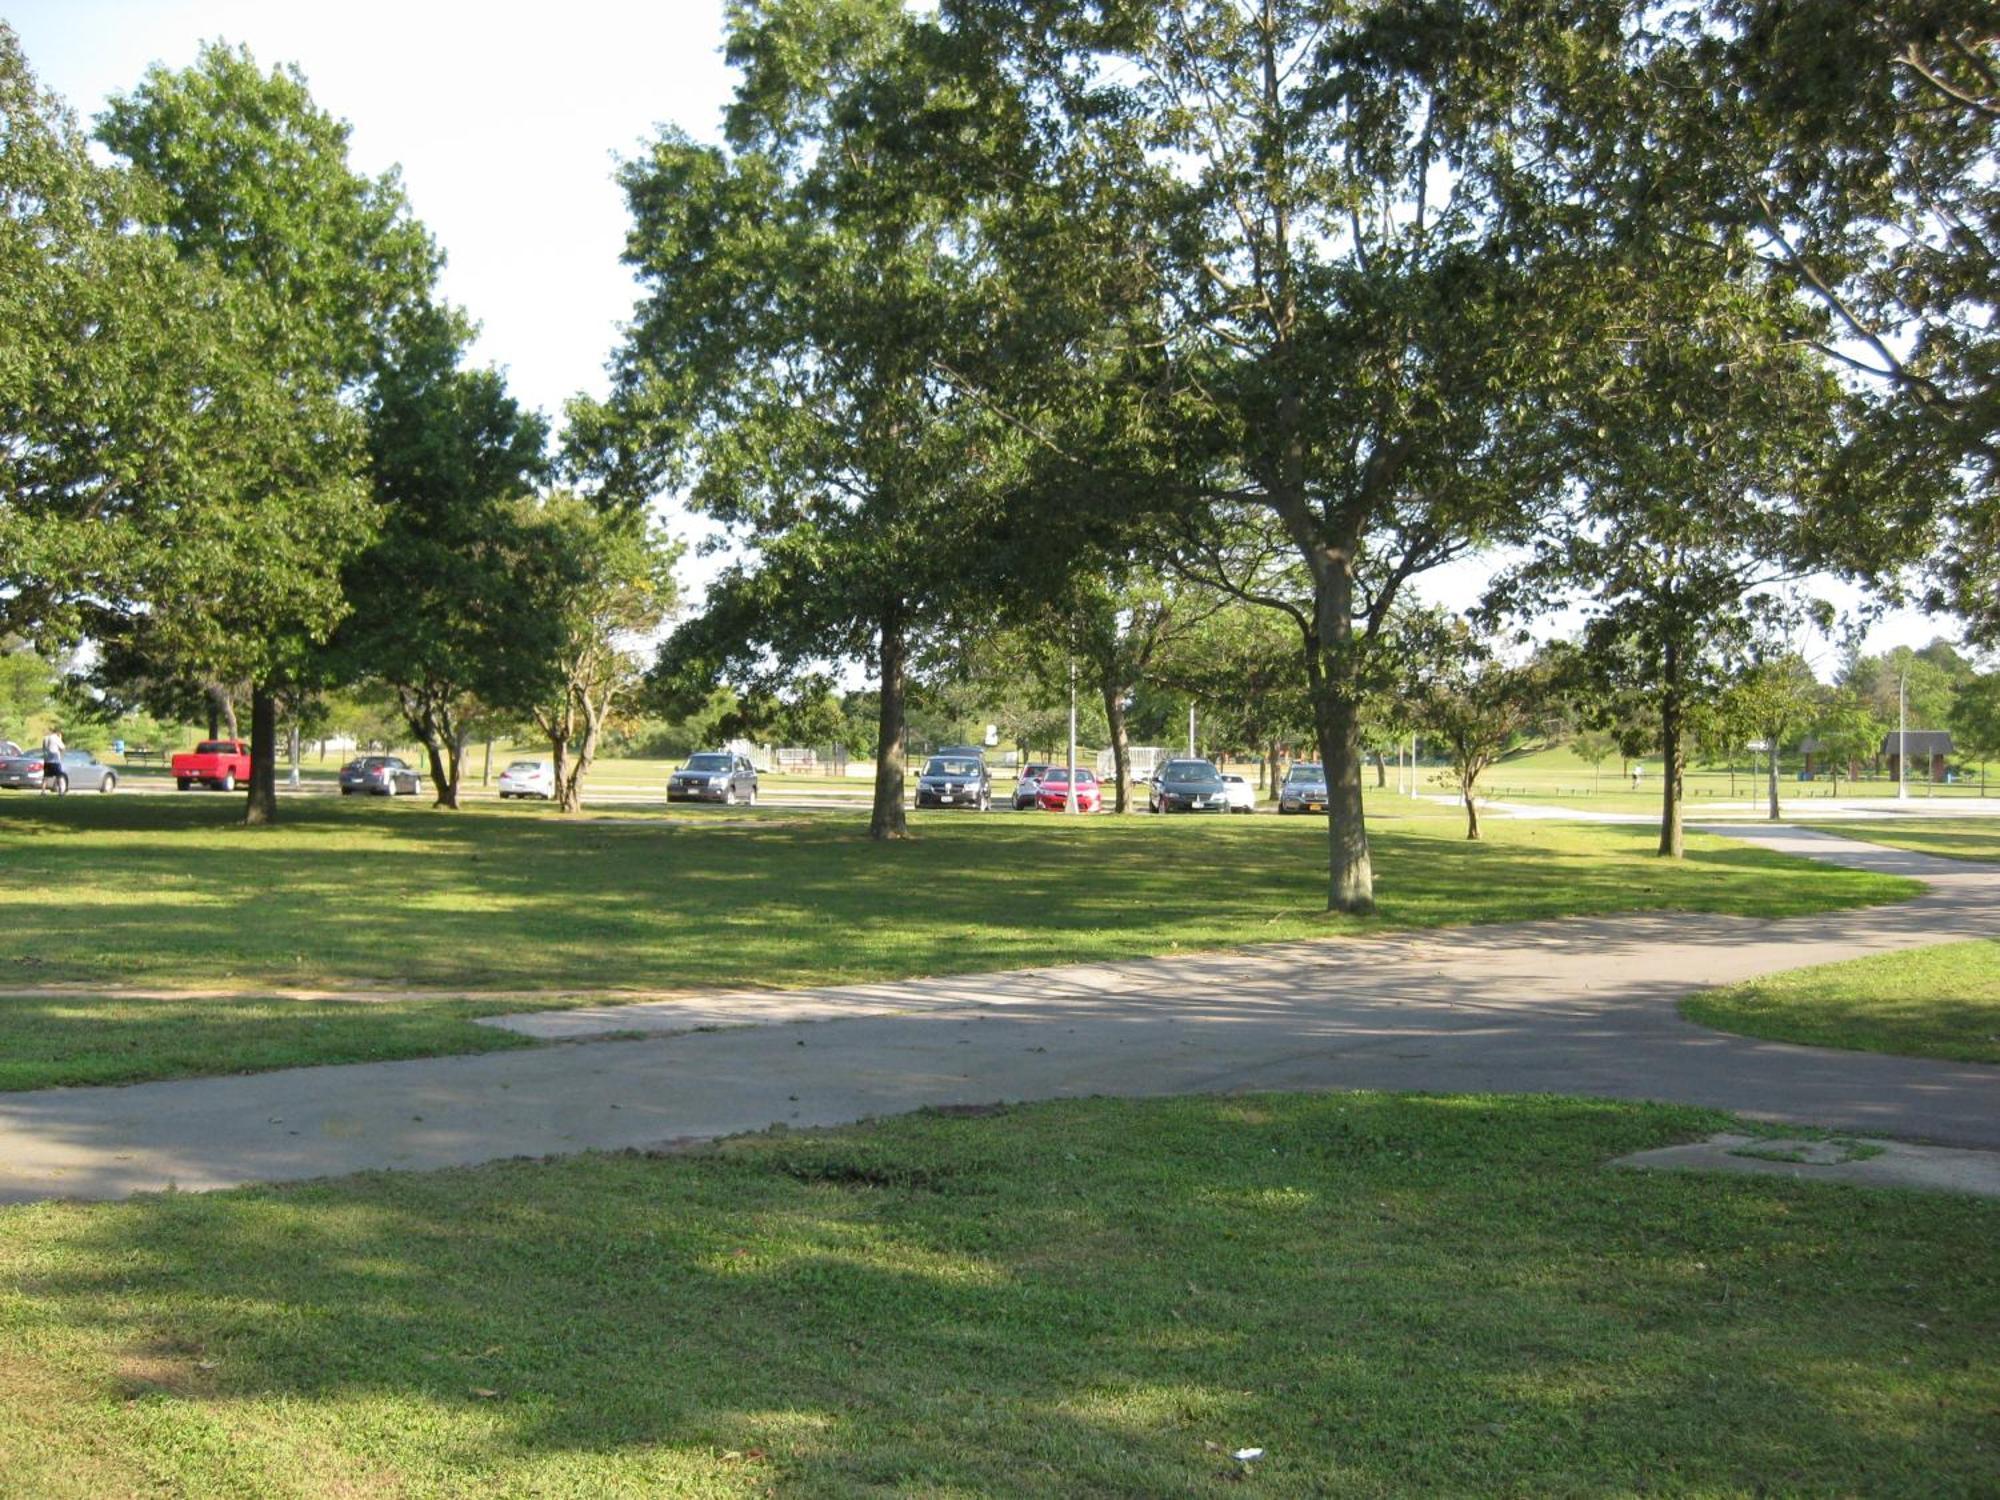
[
  {"x": 173, "y": 892},
  {"x": 1386, "y": 1294}
]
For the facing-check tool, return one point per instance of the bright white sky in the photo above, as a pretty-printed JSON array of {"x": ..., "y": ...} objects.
[{"x": 506, "y": 119}]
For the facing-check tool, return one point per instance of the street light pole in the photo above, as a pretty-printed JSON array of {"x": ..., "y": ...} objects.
[
  {"x": 1902, "y": 736},
  {"x": 1069, "y": 803},
  {"x": 1190, "y": 731}
]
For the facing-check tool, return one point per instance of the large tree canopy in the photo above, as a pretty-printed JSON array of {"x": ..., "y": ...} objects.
[
  {"x": 245, "y": 174},
  {"x": 802, "y": 294},
  {"x": 1333, "y": 225},
  {"x": 142, "y": 422}
]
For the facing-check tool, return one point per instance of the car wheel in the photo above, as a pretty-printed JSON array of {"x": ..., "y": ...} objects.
[
  {"x": 109, "y": 783},
  {"x": 729, "y": 795},
  {"x": 985, "y": 802},
  {"x": 750, "y": 797},
  {"x": 347, "y": 791},
  {"x": 229, "y": 781},
  {"x": 181, "y": 784}
]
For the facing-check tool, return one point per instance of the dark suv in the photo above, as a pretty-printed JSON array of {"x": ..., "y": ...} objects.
[
  {"x": 714, "y": 776},
  {"x": 955, "y": 781}
]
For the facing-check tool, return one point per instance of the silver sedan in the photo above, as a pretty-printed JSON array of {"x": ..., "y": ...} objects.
[
  {"x": 20, "y": 768},
  {"x": 380, "y": 775},
  {"x": 87, "y": 773}
]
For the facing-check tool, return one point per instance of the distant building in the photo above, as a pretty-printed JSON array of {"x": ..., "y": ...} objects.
[{"x": 1926, "y": 748}]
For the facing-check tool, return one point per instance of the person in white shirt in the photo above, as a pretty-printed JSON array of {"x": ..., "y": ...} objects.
[{"x": 52, "y": 758}]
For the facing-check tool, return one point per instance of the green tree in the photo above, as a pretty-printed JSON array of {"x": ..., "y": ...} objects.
[
  {"x": 1847, "y": 730},
  {"x": 1975, "y": 721},
  {"x": 1773, "y": 699},
  {"x": 1857, "y": 145},
  {"x": 1901, "y": 680},
  {"x": 451, "y": 603},
  {"x": 1339, "y": 309},
  {"x": 138, "y": 410},
  {"x": 1593, "y": 747},
  {"x": 1704, "y": 435},
  {"x": 245, "y": 173},
  {"x": 1474, "y": 706},
  {"x": 784, "y": 358},
  {"x": 616, "y": 587},
  {"x": 27, "y": 687}
]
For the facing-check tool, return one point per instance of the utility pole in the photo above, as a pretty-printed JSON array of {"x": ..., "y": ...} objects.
[{"x": 1190, "y": 731}]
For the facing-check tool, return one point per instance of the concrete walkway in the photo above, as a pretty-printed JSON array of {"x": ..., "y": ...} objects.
[{"x": 1575, "y": 1006}]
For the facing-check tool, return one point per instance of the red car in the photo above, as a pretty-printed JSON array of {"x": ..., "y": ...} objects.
[
  {"x": 1053, "y": 794},
  {"x": 217, "y": 763}
]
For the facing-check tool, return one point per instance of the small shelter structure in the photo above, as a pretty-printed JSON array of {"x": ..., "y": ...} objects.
[{"x": 1929, "y": 751}]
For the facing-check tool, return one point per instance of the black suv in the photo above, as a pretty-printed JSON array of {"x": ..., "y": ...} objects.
[{"x": 954, "y": 780}]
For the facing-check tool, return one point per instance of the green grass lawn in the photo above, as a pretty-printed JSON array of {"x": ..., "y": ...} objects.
[
  {"x": 1557, "y": 775},
  {"x": 1388, "y": 1295},
  {"x": 171, "y": 892},
  {"x": 1932, "y": 1002},
  {"x": 1954, "y": 838}
]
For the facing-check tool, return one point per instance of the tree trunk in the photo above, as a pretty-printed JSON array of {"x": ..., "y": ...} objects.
[
  {"x": 594, "y": 716},
  {"x": 1471, "y": 815},
  {"x": 1121, "y": 743},
  {"x": 433, "y": 745},
  {"x": 1673, "y": 843},
  {"x": 886, "y": 820},
  {"x": 262, "y": 806},
  {"x": 559, "y": 761},
  {"x": 1381, "y": 771},
  {"x": 1337, "y": 722},
  {"x": 1772, "y": 756}
]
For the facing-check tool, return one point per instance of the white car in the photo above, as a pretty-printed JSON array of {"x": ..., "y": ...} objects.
[
  {"x": 1242, "y": 796},
  {"x": 528, "y": 778}
]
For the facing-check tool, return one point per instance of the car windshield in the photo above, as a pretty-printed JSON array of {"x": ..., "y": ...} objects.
[
  {"x": 955, "y": 766},
  {"x": 1312, "y": 775},
  {"x": 1189, "y": 770},
  {"x": 709, "y": 763},
  {"x": 524, "y": 768},
  {"x": 215, "y": 747}
]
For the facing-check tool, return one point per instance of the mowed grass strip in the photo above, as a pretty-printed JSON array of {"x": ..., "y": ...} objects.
[
  {"x": 168, "y": 892},
  {"x": 1932, "y": 1002},
  {"x": 51, "y": 1040},
  {"x": 1952, "y": 838},
  {"x": 1388, "y": 1295}
]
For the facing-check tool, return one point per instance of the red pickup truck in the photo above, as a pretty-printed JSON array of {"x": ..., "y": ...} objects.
[{"x": 217, "y": 763}]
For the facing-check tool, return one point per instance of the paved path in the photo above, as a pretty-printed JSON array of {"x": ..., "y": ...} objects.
[{"x": 1579, "y": 1006}]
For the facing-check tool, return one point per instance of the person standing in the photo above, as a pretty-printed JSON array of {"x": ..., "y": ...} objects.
[{"x": 53, "y": 773}]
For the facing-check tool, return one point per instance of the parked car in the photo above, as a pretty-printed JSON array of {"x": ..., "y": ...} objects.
[
  {"x": 714, "y": 776},
  {"x": 1304, "y": 790},
  {"x": 87, "y": 773},
  {"x": 1025, "y": 788},
  {"x": 528, "y": 778},
  {"x": 1187, "y": 786},
  {"x": 955, "y": 781},
  {"x": 380, "y": 775},
  {"x": 216, "y": 763},
  {"x": 1054, "y": 793},
  {"x": 1239, "y": 794},
  {"x": 20, "y": 769}
]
